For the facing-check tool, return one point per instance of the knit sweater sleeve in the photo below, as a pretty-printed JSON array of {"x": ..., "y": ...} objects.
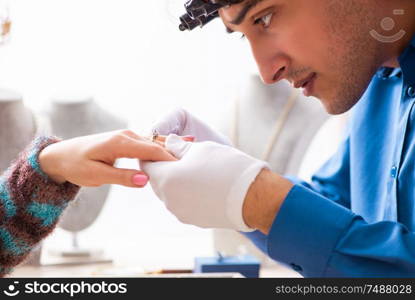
[{"x": 30, "y": 205}]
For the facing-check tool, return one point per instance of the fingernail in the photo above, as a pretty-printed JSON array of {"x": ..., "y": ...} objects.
[
  {"x": 189, "y": 138},
  {"x": 140, "y": 180}
]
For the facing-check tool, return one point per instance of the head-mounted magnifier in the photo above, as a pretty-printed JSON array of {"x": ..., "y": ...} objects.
[{"x": 201, "y": 12}]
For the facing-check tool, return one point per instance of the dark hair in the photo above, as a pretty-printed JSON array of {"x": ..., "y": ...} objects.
[{"x": 228, "y": 2}]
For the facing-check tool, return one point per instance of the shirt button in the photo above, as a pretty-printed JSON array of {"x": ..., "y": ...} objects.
[
  {"x": 296, "y": 267},
  {"x": 384, "y": 73},
  {"x": 411, "y": 92},
  {"x": 394, "y": 171}
]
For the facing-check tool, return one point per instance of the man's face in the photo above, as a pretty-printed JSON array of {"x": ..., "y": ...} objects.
[{"x": 323, "y": 46}]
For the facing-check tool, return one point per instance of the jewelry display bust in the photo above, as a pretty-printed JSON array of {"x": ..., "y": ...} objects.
[
  {"x": 276, "y": 118},
  {"x": 17, "y": 127},
  {"x": 72, "y": 116},
  {"x": 273, "y": 123}
]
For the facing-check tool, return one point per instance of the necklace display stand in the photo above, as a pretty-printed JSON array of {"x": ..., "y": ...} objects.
[
  {"x": 72, "y": 116},
  {"x": 274, "y": 123},
  {"x": 18, "y": 127}
]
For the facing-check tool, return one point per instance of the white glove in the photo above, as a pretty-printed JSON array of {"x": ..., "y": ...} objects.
[
  {"x": 207, "y": 186},
  {"x": 183, "y": 123}
]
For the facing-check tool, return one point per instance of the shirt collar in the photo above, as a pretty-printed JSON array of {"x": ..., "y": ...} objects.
[
  {"x": 407, "y": 62},
  {"x": 413, "y": 41}
]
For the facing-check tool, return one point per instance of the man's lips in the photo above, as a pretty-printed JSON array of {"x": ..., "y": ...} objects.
[{"x": 302, "y": 83}]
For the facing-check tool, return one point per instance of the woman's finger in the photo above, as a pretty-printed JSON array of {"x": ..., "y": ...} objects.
[
  {"x": 106, "y": 174},
  {"x": 131, "y": 134},
  {"x": 187, "y": 138},
  {"x": 141, "y": 149},
  {"x": 161, "y": 138}
]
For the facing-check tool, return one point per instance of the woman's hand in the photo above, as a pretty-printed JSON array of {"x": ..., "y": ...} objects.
[{"x": 89, "y": 160}]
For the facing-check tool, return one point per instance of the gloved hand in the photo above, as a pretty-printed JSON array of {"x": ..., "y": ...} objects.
[
  {"x": 182, "y": 123},
  {"x": 207, "y": 186}
]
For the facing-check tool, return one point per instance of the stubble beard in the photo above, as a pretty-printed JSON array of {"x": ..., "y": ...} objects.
[{"x": 353, "y": 54}]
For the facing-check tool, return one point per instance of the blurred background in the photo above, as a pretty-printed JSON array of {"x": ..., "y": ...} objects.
[
  {"x": 129, "y": 54},
  {"x": 131, "y": 58}
]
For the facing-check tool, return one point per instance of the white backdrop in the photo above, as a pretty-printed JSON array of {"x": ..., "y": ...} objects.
[
  {"x": 128, "y": 53},
  {"x": 131, "y": 56}
]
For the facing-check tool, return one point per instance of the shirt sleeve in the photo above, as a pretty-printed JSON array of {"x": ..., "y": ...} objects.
[
  {"x": 329, "y": 240},
  {"x": 30, "y": 205}
]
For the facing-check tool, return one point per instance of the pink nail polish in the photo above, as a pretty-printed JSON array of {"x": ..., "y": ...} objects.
[
  {"x": 140, "y": 180},
  {"x": 189, "y": 138}
]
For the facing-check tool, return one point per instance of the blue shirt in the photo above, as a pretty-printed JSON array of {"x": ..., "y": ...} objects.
[{"x": 357, "y": 216}]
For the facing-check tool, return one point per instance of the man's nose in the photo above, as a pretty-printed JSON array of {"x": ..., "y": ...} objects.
[{"x": 272, "y": 64}]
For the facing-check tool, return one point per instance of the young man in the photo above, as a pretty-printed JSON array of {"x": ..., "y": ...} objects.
[{"x": 357, "y": 216}]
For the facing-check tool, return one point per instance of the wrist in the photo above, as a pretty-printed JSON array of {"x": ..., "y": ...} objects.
[
  {"x": 50, "y": 164},
  {"x": 264, "y": 199}
]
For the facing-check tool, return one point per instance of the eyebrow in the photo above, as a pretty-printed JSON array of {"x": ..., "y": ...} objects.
[{"x": 250, "y": 4}]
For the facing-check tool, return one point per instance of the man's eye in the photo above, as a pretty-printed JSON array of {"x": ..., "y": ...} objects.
[{"x": 265, "y": 20}]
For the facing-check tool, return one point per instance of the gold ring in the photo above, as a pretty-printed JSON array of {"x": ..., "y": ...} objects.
[{"x": 154, "y": 136}]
